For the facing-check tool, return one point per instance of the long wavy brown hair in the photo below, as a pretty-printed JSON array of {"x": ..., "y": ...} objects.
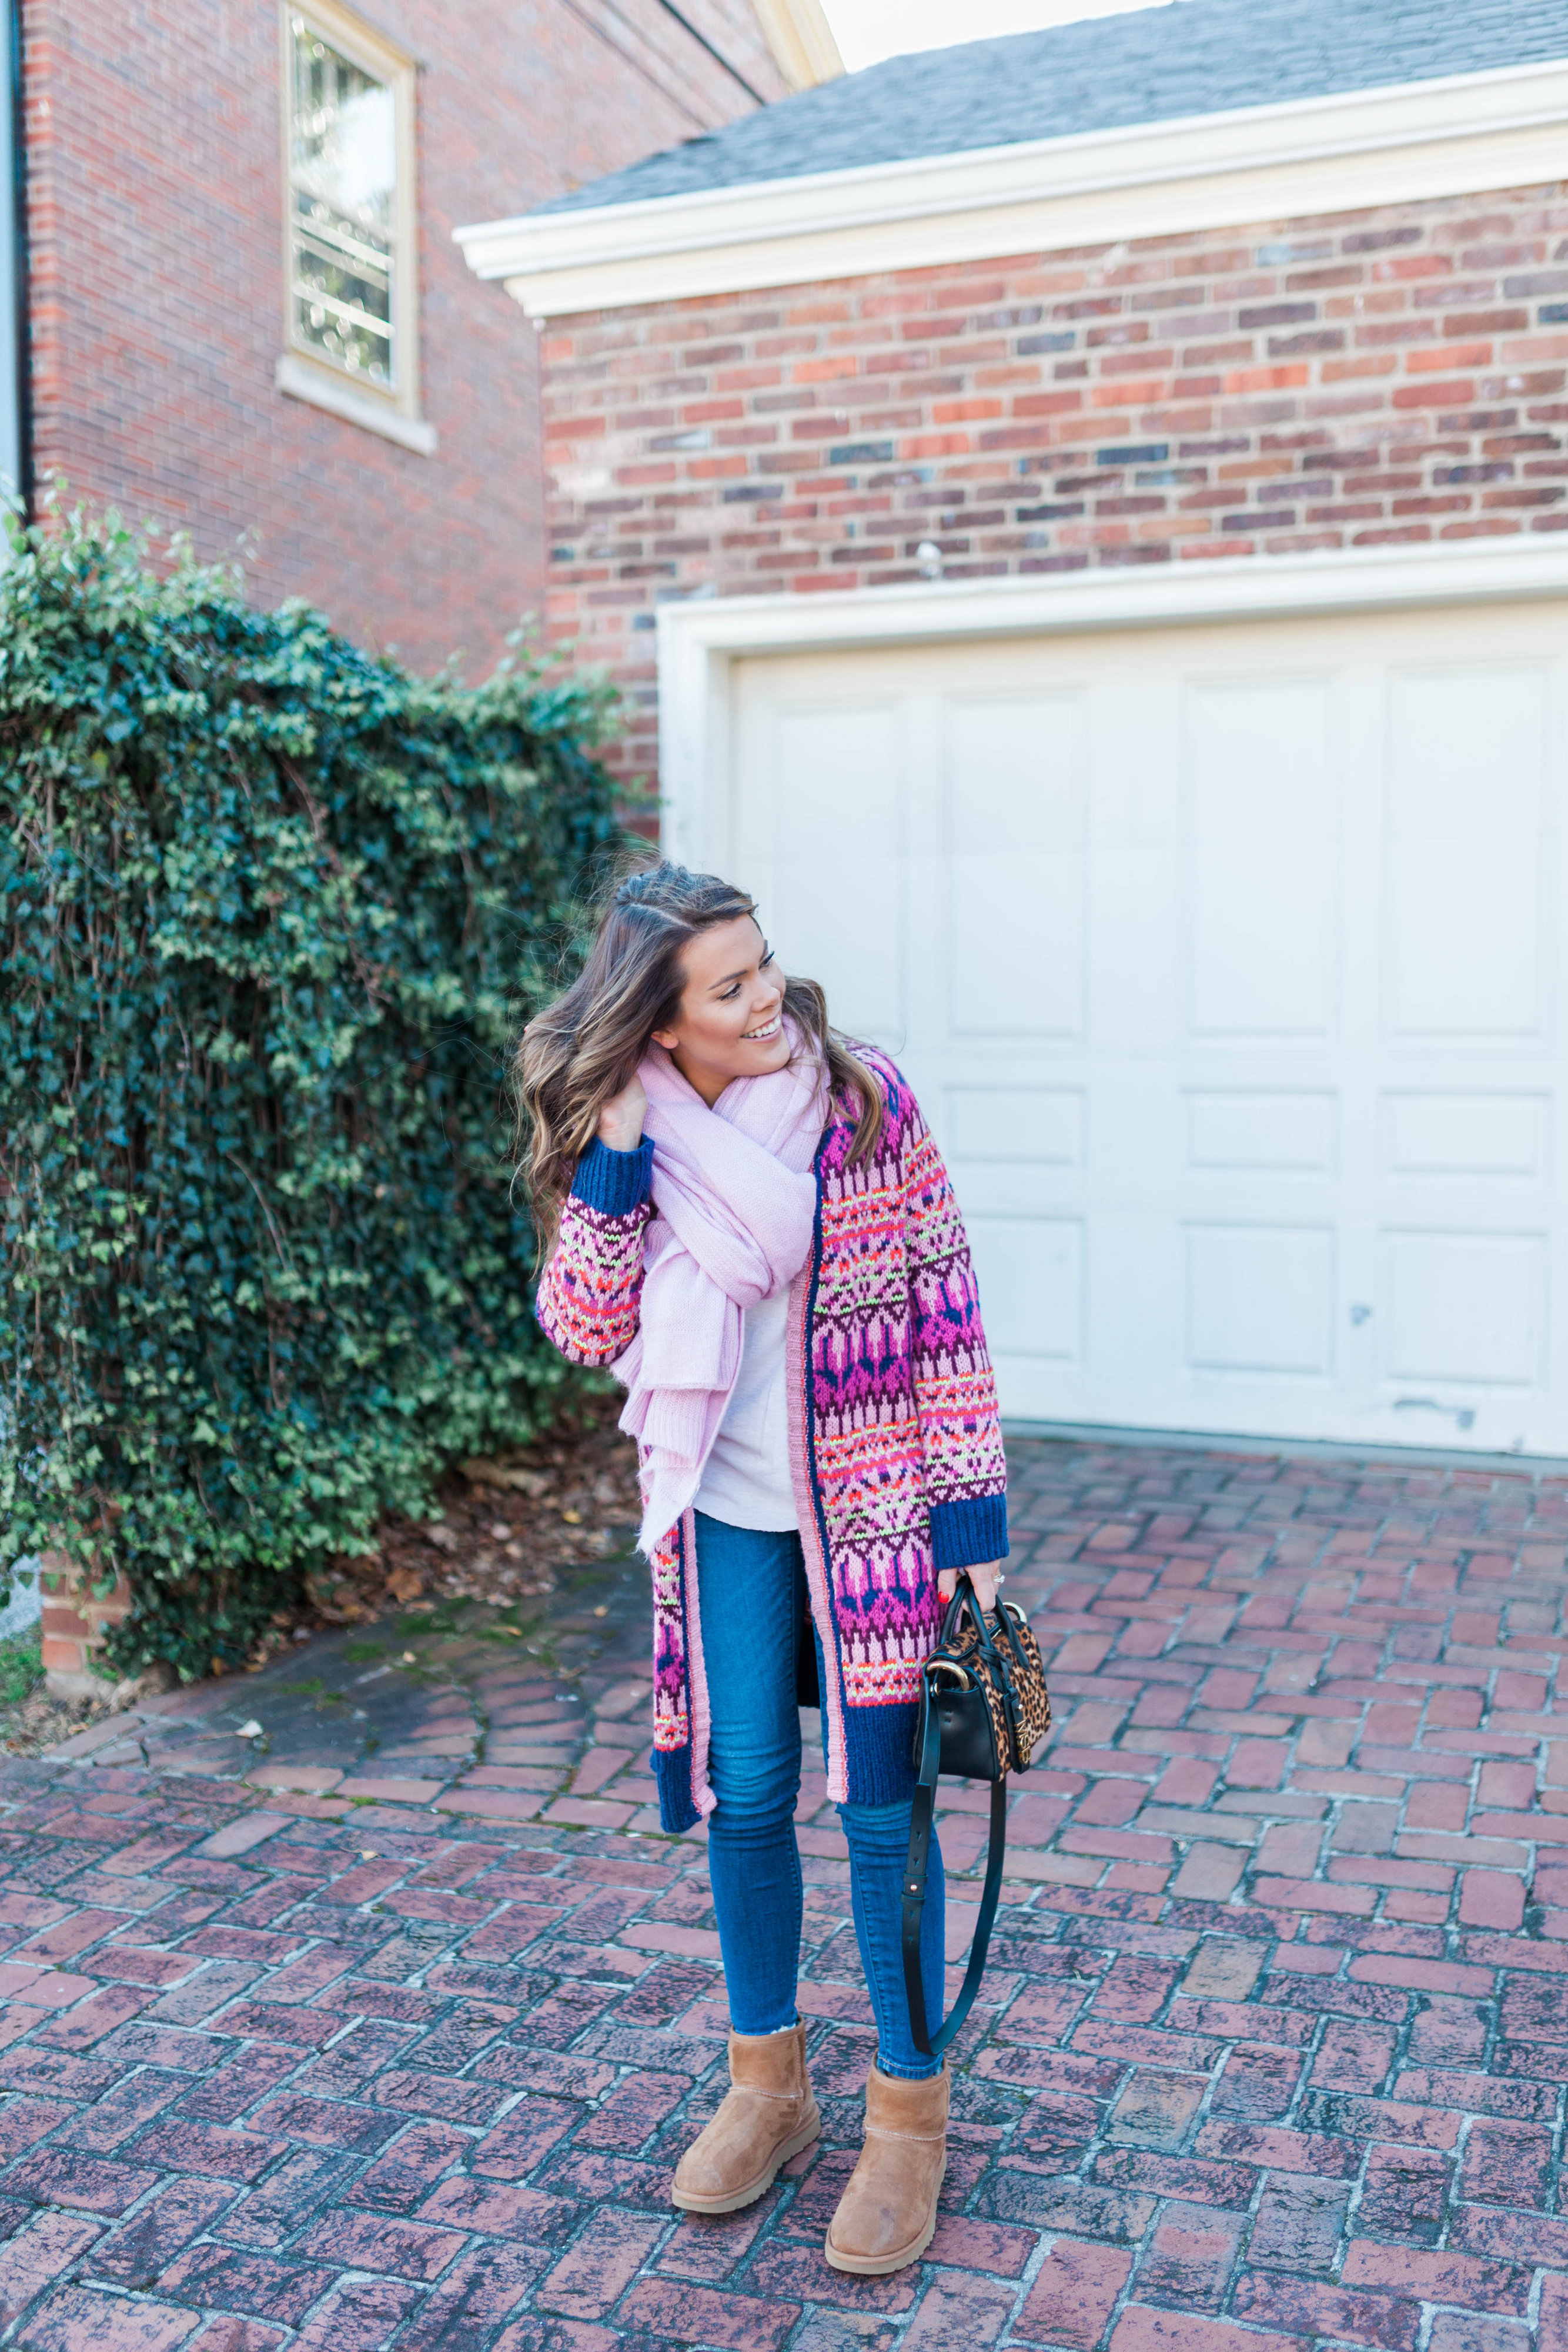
[{"x": 583, "y": 1048}]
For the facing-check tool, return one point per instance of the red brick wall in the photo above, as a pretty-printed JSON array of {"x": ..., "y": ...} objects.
[
  {"x": 154, "y": 218},
  {"x": 1396, "y": 374}
]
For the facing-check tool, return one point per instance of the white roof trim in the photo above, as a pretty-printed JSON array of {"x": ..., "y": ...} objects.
[{"x": 1404, "y": 144}]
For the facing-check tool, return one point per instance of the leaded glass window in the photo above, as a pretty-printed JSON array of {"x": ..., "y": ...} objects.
[{"x": 343, "y": 210}]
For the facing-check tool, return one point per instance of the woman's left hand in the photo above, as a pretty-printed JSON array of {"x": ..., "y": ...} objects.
[{"x": 984, "y": 1579}]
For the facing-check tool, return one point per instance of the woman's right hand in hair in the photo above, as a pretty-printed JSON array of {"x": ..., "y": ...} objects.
[{"x": 621, "y": 1118}]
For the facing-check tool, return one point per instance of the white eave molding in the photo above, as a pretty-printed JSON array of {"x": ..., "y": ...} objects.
[{"x": 1460, "y": 135}]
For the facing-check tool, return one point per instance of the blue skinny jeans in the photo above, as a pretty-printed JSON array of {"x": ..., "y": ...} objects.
[{"x": 751, "y": 1597}]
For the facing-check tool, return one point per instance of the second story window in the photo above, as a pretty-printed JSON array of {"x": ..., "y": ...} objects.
[
  {"x": 343, "y": 187},
  {"x": 350, "y": 238}
]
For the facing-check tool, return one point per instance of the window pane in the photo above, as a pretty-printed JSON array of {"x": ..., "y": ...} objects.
[{"x": 343, "y": 177}]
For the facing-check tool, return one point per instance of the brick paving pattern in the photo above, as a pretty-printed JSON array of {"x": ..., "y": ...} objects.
[{"x": 1270, "y": 2056}]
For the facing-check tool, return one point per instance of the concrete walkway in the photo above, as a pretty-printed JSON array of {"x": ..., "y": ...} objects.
[{"x": 395, "y": 2041}]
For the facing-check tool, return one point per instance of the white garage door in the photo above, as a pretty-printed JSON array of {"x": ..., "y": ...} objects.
[{"x": 1227, "y": 964}]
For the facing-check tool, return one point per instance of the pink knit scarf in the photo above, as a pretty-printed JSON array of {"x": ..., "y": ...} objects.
[{"x": 735, "y": 1200}]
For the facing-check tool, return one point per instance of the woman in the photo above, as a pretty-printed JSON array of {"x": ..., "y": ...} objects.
[{"x": 750, "y": 1222}]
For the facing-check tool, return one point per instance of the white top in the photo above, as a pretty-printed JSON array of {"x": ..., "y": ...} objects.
[{"x": 745, "y": 1480}]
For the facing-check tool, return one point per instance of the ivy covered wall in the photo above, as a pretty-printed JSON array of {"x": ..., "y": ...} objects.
[{"x": 271, "y": 913}]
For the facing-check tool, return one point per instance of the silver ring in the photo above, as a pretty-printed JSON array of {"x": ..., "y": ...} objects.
[{"x": 1001, "y": 1580}]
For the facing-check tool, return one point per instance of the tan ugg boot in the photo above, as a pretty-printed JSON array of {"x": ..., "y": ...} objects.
[
  {"x": 768, "y": 2116},
  {"x": 887, "y": 2215}
]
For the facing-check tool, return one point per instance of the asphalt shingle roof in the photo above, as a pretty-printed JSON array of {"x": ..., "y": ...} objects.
[{"x": 1191, "y": 57}]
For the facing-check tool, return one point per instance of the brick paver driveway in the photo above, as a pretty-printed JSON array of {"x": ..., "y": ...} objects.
[{"x": 1271, "y": 2053}]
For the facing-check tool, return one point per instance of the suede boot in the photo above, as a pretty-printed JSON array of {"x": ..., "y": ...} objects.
[
  {"x": 887, "y": 2215},
  {"x": 768, "y": 2116}
]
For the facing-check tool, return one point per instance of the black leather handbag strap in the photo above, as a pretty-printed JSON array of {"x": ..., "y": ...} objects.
[
  {"x": 930, "y": 2044},
  {"x": 964, "y": 1604}
]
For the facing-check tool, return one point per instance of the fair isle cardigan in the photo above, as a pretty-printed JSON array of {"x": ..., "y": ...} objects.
[{"x": 895, "y": 1442}]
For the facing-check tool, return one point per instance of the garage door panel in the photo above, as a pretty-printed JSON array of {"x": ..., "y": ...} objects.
[
  {"x": 1464, "y": 1307},
  {"x": 1449, "y": 1134},
  {"x": 1464, "y": 942},
  {"x": 1016, "y": 854},
  {"x": 1030, "y": 1271},
  {"x": 841, "y": 779},
  {"x": 1035, "y": 1127},
  {"x": 1238, "y": 1132},
  {"x": 1467, "y": 814},
  {"x": 990, "y": 1188},
  {"x": 1261, "y": 860},
  {"x": 1224, "y": 960},
  {"x": 1260, "y": 1300}
]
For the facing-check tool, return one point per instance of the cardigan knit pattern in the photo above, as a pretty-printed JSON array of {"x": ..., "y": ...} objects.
[{"x": 896, "y": 1447}]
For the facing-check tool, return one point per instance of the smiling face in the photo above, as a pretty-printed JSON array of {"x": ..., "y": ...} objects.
[{"x": 730, "y": 1024}]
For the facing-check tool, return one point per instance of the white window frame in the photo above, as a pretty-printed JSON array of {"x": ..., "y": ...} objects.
[{"x": 303, "y": 374}]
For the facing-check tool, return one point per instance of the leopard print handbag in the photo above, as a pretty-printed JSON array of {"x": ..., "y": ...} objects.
[{"x": 984, "y": 1710}]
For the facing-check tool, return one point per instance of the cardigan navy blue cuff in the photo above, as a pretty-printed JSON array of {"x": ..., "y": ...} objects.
[
  {"x": 614, "y": 1182},
  {"x": 969, "y": 1533}
]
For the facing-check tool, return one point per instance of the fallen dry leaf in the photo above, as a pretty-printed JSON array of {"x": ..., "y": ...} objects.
[{"x": 484, "y": 1471}]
